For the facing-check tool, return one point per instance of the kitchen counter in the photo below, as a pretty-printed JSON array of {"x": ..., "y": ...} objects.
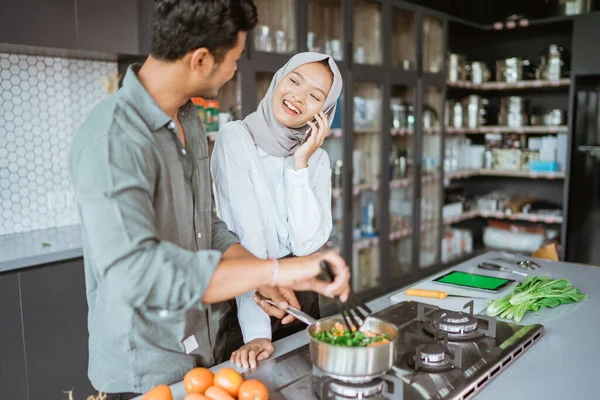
[
  {"x": 27, "y": 250},
  {"x": 560, "y": 364}
]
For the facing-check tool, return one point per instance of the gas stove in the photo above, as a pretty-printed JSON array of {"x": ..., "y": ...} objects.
[{"x": 441, "y": 355}]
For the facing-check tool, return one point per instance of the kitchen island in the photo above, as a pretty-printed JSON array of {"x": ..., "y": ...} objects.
[{"x": 559, "y": 365}]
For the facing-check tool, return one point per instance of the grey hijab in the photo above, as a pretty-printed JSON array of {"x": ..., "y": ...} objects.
[{"x": 271, "y": 136}]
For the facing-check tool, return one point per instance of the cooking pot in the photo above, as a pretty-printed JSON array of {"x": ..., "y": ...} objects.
[
  {"x": 480, "y": 72},
  {"x": 457, "y": 67},
  {"x": 349, "y": 363},
  {"x": 574, "y": 7},
  {"x": 513, "y": 70}
]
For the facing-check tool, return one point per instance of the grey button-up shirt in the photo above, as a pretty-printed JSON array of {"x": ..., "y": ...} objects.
[{"x": 151, "y": 241}]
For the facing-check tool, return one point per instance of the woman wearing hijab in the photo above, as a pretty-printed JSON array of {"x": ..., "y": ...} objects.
[{"x": 272, "y": 186}]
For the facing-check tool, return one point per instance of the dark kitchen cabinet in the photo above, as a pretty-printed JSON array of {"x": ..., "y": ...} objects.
[
  {"x": 13, "y": 381},
  {"x": 43, "y": 23},
  {"x": 54, "y": 309},
  {"x": 144, "y": 11},
  {"x": 586, "y": 31},
  {"x": 109, "y": 26}
]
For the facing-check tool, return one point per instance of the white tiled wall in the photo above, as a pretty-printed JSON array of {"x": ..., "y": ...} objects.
[{"x": 43, "y": 101}]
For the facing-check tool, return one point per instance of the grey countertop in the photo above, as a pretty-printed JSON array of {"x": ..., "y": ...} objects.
[
  {"x": 27, "y": 249},
  {"x": 561, "y": 364}
]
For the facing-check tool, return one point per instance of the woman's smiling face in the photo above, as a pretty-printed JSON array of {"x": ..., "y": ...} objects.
[{"x": 301, "y": 94}]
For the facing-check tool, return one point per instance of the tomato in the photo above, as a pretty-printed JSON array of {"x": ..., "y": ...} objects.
[
  {"x": 195, "y": 396},
  {"x": 217, "y": 393},
  {"x": 161, "y": 392},
  {"x": 253, "y": 389},
  {"x": 230, "y": 380},
  {"x": 198, "y": 380}
]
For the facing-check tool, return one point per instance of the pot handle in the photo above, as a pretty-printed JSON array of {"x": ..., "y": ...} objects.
[{"x": 293, "y": 311}]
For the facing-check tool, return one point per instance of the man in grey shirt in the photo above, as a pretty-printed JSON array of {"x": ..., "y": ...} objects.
[{"x": 156, "y": 256}]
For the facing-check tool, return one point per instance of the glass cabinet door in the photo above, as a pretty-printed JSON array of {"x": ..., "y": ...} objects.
[
  {"x": 401, "y": 162},
  {"x": 431, "y": 189},
  {"x": 334, "y": 146},
  {"x": 325, "y": 27},
  {"x": 433, "y": 45},
  {"x": 367, "y": 32},
  {"x": 366, "y": 202},
  {"x": 216, "y": 113},
  {"x": 403, "y": 40},
  {"x": 276, "y": 30},
  {"x": 263, "y": 80}
]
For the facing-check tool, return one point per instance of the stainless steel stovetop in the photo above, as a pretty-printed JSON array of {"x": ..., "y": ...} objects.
[{"x": 441, "y": 355}]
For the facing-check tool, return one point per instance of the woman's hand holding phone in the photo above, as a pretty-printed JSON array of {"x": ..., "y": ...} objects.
[{"x": 316, "y": 137}]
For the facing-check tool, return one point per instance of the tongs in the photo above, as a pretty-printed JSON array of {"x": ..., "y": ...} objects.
[
  {"x": 496, "y": 267},
  {"x": 354, "y": 311},
  {"x": 524, "y": 264},
  {"x": 293, "y": 311}
]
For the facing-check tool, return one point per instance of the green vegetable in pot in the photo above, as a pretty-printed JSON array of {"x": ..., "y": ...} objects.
[
  {"x": 338, "y": 336},
  {"x": 534, "y": 294}
]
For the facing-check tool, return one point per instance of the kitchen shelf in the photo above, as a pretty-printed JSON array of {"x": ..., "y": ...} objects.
[
  {"x": 532, "y": 84},
  {"x": 398, "y": 183},
  {"x": 504, "y": 173},
  {"x": 367, "y": 131},
  {"x": 402, "y": 131},
  {"x": 546, "y": 219},
  {"x": 463, "y": 217},
  {"x": 394, "y": 184},
  {"x": 506, "y": 129}
]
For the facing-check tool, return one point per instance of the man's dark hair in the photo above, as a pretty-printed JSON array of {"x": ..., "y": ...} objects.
[{"x": 180, "y": 26}]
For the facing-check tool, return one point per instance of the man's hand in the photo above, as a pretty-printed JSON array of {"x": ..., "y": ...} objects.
[
  {"x": 283, "y": 297},
  {"x": 249, "y": 354},
  {"x": 301, "y": 273}
]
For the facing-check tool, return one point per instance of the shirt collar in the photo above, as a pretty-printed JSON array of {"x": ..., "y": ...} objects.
[{"x": 141, "y": 100}]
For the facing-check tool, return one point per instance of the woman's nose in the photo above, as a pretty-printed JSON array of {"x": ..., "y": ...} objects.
[{"x": 299, "y": 96}]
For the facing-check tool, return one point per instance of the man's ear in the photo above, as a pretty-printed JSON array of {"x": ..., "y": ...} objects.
[{"x": 202, "y": 61}]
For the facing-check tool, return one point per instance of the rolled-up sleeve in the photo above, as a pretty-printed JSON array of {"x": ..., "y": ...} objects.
[
  {"x": 114, "y": 182},
  {"x": 222, "y": 237}
]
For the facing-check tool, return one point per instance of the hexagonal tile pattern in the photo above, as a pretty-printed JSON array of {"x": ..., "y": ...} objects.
[{"x": 43, "y": 102}]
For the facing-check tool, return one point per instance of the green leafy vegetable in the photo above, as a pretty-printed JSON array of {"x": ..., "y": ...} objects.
[
  {"x": 534, "y": 294},
  {"x": 338, "y": 336}
]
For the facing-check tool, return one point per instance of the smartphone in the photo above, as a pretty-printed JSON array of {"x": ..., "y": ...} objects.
[
  {"x": 468, "y": 280},
  {"x": 327, "y": 112}
]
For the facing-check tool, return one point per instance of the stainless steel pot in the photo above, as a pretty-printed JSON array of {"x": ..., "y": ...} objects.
[
  {"x": 349, "y": 363},
  {"x": 512, "y": 70},
  {"x": 480, "y": 73},
  {"x": 574, "y": 7},
  {"x": 513, "y": 112},
  {"x": 554, "y": 63},
  {"x": 457, "y": 67},
  {"x": 475, "y": 111}
]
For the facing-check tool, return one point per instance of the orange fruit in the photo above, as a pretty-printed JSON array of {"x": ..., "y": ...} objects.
[
  {"x": 217, "y": 393},
  {"x": 160, "y": 392},
  {"x": 230, "y": 380},
  {"x": 253, "y": 389},
  {"x": 198, "y": 380},
  {"x": 195, "y": 396}
]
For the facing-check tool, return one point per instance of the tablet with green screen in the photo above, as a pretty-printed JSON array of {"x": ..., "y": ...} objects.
[{"x": 474, "y": 281}]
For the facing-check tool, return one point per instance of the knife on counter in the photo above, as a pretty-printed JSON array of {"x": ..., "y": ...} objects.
[
  {"x": 496, "y": 267},
  {"x": 436, "y": 294}
]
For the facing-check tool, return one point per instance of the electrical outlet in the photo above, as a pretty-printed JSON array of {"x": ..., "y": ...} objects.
[{"x": 56, "y": 200}]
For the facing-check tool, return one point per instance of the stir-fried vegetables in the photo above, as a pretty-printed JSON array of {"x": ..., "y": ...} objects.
[
  {"x": 338, "y": 336},
  {"x": 533, "y": 294}
]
